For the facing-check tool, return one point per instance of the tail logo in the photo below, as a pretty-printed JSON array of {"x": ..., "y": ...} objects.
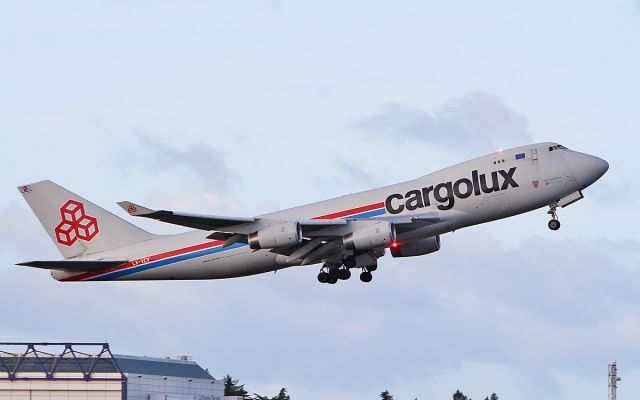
[{"x": 75, "y": 224}]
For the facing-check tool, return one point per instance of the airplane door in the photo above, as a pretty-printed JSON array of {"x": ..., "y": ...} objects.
[{"x": 535, "y": 169}]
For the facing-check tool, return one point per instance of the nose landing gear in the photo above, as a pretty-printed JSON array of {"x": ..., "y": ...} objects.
[{"x": 554, "y": 224}]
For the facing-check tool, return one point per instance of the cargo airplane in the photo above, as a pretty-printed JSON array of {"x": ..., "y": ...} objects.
[{"x": 344, "y": 233}]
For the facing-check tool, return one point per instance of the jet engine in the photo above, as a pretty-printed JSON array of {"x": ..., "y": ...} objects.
[
  {"x": 278, "y": 235},
  {"x": 369, "y": 236},
  {"x": 417, "y": 248}
]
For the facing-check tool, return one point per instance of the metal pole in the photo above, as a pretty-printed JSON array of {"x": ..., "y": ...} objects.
[{"x": 613, "y": 380}]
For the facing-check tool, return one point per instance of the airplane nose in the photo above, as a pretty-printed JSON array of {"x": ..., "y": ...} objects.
[{"x": 585, "y": 167}]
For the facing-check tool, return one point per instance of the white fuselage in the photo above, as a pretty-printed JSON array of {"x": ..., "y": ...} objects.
[{"x": 526, "y": 178}]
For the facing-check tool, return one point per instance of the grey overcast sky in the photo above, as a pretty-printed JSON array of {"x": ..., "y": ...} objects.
[{"x": 246, "y": 107}]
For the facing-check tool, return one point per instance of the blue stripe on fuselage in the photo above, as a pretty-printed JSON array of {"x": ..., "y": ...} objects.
[
  {"x": 160, "y": 263},
  {"x": 367, "y": 214}
]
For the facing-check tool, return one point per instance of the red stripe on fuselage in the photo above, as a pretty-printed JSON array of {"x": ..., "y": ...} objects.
[
  {"x": 352, "y": 211},
  {"x": 156, "y": 257}
]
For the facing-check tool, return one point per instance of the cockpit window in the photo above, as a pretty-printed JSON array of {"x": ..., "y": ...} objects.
[{"x": 556, "y": 147}]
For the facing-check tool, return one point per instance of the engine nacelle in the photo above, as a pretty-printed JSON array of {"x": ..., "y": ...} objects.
[
  {"x": 417, "y": 248},
  {"x": 379, "y": 234},
  {"x": 278, "y": 235}
]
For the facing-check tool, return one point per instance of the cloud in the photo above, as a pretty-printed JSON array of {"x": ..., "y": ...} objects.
[
  {"x": 358, "y": 175},
  {"x": 476, "y": 121},
  {"x": 277, "y": 7},
  {"x": 197, "y": 162},
  {"x": 348, "y": 174}
]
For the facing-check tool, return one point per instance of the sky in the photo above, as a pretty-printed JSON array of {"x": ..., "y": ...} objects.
[{"x": 246, "y": 107}]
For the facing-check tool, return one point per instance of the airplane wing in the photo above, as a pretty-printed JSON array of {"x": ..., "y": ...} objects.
[
  {"x": 321, "y": 238},
  {"x": 225, "y": 226}
]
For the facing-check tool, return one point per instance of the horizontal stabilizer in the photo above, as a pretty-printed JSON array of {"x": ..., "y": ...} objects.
[{"x": 73, "y": 265}]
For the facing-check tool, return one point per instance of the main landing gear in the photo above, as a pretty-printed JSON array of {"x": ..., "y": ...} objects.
[
  {"x": 365, "y": 275},
  {"x": 331, "y": 273},
  {"x": 554, "y": 224}
]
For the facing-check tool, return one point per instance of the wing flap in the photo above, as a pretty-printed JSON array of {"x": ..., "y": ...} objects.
[{"x": 303, "y": 251}]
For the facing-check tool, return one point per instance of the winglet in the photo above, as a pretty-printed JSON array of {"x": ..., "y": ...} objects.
[{"x": 135, "y": 209}]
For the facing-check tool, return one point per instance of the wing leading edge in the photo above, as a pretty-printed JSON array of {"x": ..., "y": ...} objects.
[{"x": 197, "y": 221}]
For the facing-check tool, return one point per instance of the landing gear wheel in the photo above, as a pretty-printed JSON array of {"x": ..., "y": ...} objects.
[
  {"x": 554, "y": 224},
  {"x": 366, "y": 276},
  {"x": 323, "y": 277},
  {"x": 344, "y": 274},
  {"x": 372, "y": 268},
  {"x": 332, "y": 279}
]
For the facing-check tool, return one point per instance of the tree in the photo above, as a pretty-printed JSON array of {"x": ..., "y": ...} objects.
[
  {"x": 494, "y": 397},
  {"x": 386, "y": 395},
  {"x": 458, "y": 395},
  {"x": 283, "y": 395},
  {"x": 232, "y": 388}
]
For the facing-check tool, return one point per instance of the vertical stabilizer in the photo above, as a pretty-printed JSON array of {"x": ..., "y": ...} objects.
[{"x": 77, "y": 226}]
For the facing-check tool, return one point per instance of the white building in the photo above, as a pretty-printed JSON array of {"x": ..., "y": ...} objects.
[{"x": 35, "y": 371}]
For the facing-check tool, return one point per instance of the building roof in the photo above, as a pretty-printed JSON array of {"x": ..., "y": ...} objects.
[
  {"x": 70, "y": 360},
  {"x": 32, "y": 364},
  {"x": 161, "y": 366}
]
